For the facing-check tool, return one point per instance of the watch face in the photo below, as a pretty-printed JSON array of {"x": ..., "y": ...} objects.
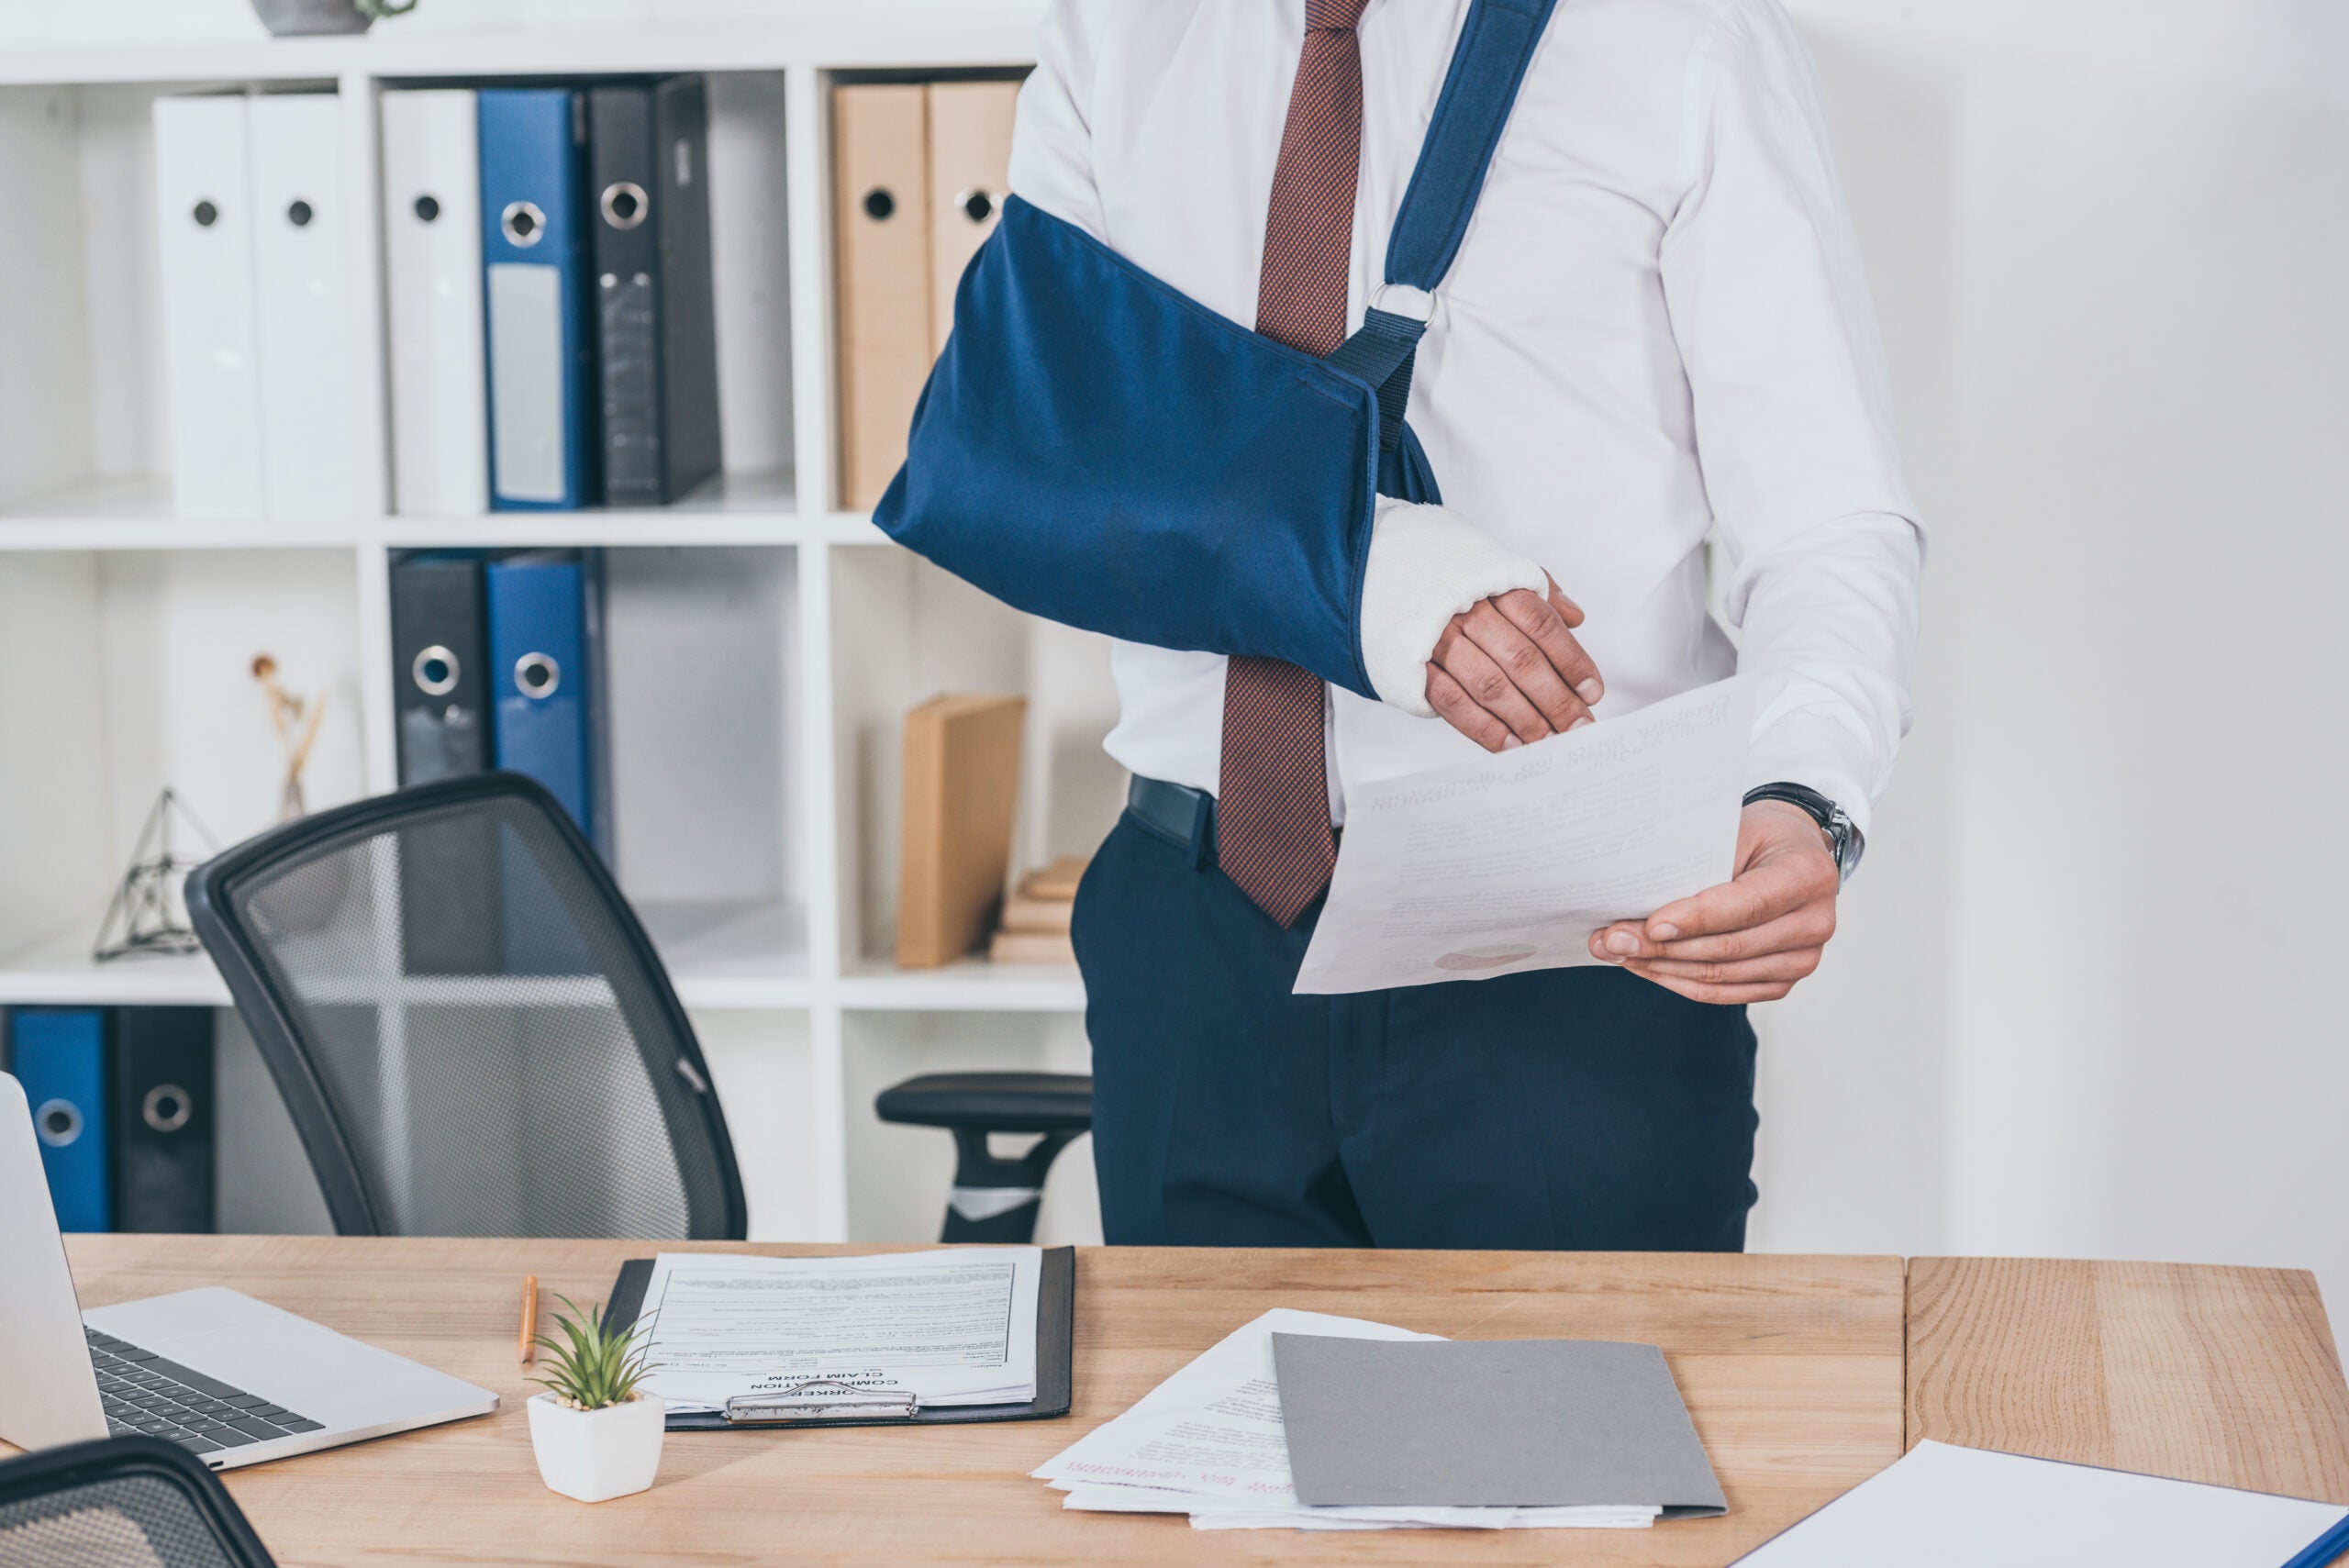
[{"x": 1849, "y": 847}]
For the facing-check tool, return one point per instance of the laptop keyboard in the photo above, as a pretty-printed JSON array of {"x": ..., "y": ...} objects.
[{"x": 144, "y": 1392}]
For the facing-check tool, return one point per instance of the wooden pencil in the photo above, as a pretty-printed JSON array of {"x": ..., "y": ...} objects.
[{"x": 530, "y": 1317}]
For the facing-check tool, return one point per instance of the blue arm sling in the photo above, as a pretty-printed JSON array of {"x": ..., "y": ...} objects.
[{"x": 1097, "y": 448}]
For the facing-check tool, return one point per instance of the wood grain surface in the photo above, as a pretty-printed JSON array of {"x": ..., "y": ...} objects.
[
  {"x": 2226, "y": 1375},
  {"x": 1791, "y": 1367}
]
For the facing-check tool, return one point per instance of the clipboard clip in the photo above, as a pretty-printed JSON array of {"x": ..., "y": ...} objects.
[{"x": 819, "y": 1399}]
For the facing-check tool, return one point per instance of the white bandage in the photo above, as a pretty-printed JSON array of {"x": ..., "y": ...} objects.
[{"x": 1427, "y": 565}]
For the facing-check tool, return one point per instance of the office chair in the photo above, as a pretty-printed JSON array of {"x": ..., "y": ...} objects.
[
  {"x": 995, "y": 1198},
  {"x": 121, "y": 1501},
  {"x": 471, "y": 1030}
]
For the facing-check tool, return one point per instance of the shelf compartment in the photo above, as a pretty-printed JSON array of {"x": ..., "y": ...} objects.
[
  {"x": 905, "y": 632},
  {"x": 137, "y": 675},
  {"x": 80, "y": 352},
  {"x": 750, "y": 290},
  {"x": 702, "y": 701}
]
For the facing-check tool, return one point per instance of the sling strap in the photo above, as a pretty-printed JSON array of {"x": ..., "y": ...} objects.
[{"x": 1496, "y": 43}]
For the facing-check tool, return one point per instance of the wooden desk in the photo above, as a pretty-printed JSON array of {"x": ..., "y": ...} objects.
[
  {"x": 1792, "y": 1367},
  {"x": 2223, "y": 1375}
]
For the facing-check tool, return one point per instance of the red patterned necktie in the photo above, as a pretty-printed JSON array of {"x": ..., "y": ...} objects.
[{"x": 1273, "y": 814}]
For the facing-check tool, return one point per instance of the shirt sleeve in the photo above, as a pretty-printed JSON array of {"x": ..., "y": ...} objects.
[
  {"x": 1771, "y": 314},
  {"x": 1052, "y": 139}
]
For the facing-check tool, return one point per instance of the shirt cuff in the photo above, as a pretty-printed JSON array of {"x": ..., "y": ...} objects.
[
  {"x": 1816, "y": 751},
  {"x": 1427, "y": 564}
]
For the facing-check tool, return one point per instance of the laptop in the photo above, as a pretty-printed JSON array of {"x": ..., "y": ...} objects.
[{"x": 232, "y": 1380}]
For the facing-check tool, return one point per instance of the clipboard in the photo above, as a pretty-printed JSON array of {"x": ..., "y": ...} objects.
[{"x": 819, "y": 1403}]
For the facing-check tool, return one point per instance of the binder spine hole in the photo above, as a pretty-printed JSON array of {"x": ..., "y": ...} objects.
[
  {"x": 59, "y": 1122},
  {"x": 298, "y": 214},
  {"x": 427, "y": 209},
  {"x": 624, "y": 203},
  {"x": 537, "y": 675},
  {"x": 435, "y": 671},
  {"x": 166, "y": 1107},
  {"x": 205, "y": 214},
  {"x": 879, "y": 204},
  {"x": 522, "y": 223}
]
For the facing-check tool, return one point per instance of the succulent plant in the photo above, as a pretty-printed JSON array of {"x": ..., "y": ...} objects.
[{"x": 595, "y": 1364}]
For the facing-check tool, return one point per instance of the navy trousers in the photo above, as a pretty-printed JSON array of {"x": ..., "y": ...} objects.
[{"x": 1582, "y": 1108}]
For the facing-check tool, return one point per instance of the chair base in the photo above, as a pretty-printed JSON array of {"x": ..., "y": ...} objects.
[
  {"x": 994, "y": 1200},
  {"x": 997, "y": 1199}
]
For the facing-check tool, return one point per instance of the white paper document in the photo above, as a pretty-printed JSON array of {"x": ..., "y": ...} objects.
[
  {"x": 1209, "y": 1443},
  {"x": 1942, "y": 1507},
  {"x": 950, "y": 1328},
  {"x": 1510, "y": 862}
]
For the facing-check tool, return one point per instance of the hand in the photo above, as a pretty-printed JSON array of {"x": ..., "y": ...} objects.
[
  {"x": 1508, "y": 670},
  {"x": 1752, "y": 937}
]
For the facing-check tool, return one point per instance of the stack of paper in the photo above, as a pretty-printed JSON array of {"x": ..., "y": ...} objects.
[
  {"x": 1209, "y": 1443},
  {"x": 956, "y": 1326}
]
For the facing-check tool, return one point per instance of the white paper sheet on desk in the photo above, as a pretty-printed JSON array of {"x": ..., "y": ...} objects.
[
  {"x": 1208, "y": 1442},
  {"x": 954, "y": 1327},
  {"x": 1510, "y": 862},
  {"x": 1945, "y": 1507}
]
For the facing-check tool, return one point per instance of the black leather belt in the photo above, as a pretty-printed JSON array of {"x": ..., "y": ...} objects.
[{"x": 1181, "y": 816}]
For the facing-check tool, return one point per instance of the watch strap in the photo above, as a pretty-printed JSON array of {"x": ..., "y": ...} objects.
[{"x": 1843, "y": 839}]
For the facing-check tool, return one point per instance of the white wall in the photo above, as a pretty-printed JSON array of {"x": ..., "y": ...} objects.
[{"x": 2083, "y": 1002}]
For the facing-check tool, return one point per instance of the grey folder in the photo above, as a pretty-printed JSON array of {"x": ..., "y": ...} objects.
[{"x": 1531, "y": 1422}]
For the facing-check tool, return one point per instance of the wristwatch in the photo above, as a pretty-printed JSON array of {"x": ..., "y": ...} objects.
[{"x": 1843, "y": 839}]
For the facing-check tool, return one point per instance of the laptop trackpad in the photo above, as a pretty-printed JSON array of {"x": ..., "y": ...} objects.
[{"x": 305, "y": 1366}]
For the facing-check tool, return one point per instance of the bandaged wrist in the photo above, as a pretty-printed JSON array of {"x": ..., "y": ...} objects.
[{"x": 1427, "y": 564}]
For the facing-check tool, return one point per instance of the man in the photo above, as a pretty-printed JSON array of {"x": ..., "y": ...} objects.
[{"x": 1655, "y": 329}]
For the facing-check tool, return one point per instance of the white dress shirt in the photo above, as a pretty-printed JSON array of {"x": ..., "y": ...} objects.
[{"x": 1656, "y": 326}]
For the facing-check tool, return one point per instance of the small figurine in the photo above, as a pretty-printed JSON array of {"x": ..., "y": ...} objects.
[{"x": 298, "y": 726}]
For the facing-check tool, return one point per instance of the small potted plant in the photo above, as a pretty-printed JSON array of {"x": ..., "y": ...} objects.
[{"x": 596, "y": 1431}]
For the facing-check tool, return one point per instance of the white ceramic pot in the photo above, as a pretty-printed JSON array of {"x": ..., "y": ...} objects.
[
  {"x": 596, "y": 1454},
  {"x": 289, "y": 18}
]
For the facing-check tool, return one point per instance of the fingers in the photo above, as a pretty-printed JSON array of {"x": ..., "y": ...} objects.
[
  {"x": 1807, "y": 927},
  {"x": 1723, "y": 995},
  {"x": 1749, "y": 940},
  {"x": 1546, "y": 628},
  {"x": 1530, "y": 667},
  {"x": 1458, "y": 709},
  {"x": 1772, "y": 887},
  {"x": 1568, "y": 611},
  {"x": 1499, "y": 682},
  {"x": 1795, "y": 964},
  {"x": 1510, "y": 668}
]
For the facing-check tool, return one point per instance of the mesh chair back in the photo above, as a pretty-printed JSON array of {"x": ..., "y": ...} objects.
[
  {"x": 121, "y": 1503},
  {"x": 471, "y": 1030}
]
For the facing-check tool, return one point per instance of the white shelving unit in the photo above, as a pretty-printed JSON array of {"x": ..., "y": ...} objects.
[{"x": 129, "y": 630}]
